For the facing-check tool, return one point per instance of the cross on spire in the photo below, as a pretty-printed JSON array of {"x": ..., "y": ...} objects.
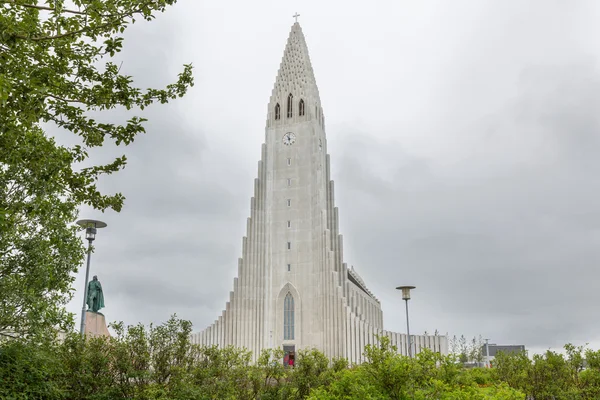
[{"x": 296, "y": 16}]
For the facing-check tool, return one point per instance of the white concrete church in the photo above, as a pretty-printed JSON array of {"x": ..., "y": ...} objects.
[{"x": 293, "y": 288}]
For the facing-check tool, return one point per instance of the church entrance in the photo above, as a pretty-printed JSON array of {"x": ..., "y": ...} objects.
[{"x": 289, "y": 356}]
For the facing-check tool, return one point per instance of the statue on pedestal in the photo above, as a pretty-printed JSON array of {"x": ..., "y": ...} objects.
[{"x": 95, "y": 297}]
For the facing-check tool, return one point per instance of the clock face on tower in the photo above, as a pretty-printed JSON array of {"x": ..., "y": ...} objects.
[{"x": 289, "y": 138}]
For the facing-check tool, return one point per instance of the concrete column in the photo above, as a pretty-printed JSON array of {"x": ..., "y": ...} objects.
[
  {"x": 356, "y": 342},
  {"x": 344, "y": 326},
  {"x": 253, "y": 274},
  {"x": 348, "y": 349},
  {"x": 262, "y": 248},
  {"x": 361, "y": 341},
  {"x": 236, "y": 310},
  {"x": 257, "y": 264},
  {"x": 244, "y": 288},
  {"x": 227, "y": 341}
]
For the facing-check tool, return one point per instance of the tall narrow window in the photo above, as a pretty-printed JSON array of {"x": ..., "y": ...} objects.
[
  {"x": 288, "y": 317},
  {"x": 301, "y": 108},
  {"x": 289, "y": 267},
  {"x": 289, "y": 245},
  {"x": 289, "y": 224},
  {"x": 277, "y": 111},
  {"x": 289, "y": 202},
  {"x": 290, "y": 105},
  {"x": 289, "y": 181},
  {"x": 289, "y": 160}
]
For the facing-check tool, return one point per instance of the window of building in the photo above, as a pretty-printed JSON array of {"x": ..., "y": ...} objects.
[
  {"x": 289, "y": 202},
  {"x": 290, "y": 102},
  {"x": 301, "y": 108},
  {"x": 289, "y": 245},
  {"x": 288, "y": 317},
  {"x": 289, "y": 224},
  {"x": 289, "y": 267},
  {"x": 320, "y": 145},
  {"x": 289, "y": 161},
  {"x": 289, "y": 181},
  {"x": 277, "y": 111}
]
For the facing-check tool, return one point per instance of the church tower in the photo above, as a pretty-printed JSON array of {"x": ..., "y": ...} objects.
[{"x": 293, "y": 289}]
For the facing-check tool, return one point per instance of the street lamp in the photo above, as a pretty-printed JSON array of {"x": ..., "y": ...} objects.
[
  {"x": 406, "y": 297},
  {"x": 91, "y": 226}
]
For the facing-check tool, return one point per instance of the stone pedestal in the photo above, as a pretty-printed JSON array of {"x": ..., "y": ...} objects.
[{"x": 95, "y": 324}]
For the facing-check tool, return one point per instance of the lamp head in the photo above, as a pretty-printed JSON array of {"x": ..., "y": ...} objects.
[
  {"x": 405, "y": 291},
  {"x": 90, "y": 233},
  {"x": 91, "y": 227}
]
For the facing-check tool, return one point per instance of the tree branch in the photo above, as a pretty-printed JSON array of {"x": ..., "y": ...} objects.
[
  {"x": 46, "y": 8},
  {"x": 62, "y": 35},
  {"x": 8, "y": 335},
  {"x": 64, "y": 99},
  {"x": 128, "y": 14}
]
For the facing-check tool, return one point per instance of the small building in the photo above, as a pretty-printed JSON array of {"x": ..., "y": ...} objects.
[{"x": 490, "y": 350}]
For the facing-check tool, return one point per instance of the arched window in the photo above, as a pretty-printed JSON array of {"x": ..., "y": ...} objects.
[
  {"x": 301, "y": 108},
  {"x": 277, "y": 111},
  {"x": 288, "y": 317},
  {"x": 289, "y": 105}
]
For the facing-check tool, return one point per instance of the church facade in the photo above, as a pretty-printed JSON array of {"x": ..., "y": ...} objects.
[{"x": 293, "y": 289}]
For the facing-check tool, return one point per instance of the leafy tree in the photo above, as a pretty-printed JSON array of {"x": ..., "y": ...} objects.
[
  {"x": 311, "y": 370},
  {"x": 574, "y": 361},
  {"x": 222, "y": 373},
  {"x": 463, "y": 349},
  {"x": 512, "y": 368},
  {"x": 269, "y": 376},
  {"x": 131, "y": 360},
  {"x": 549, "y": 376},
  {"x": 589, "y": 378},
  {"x": 56, "y": 69},
  {"x": 348, "y": 384},
  {"x": 38, "y": 250},
  {"x": 389, "y": 373},
  {"x": 29, "y": 372},
  {"x": 453, "y": 345},
  {"x": 476, "y": 350},
  {"x": 429, "y": 375}
]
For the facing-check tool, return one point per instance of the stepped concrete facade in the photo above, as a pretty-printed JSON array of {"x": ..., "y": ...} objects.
[{"x": 293, "y": 289}]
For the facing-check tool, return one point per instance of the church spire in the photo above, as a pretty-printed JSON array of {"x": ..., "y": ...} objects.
[
  {"x": 295, "y": 92},
  {"x": 293, "y": 290}
]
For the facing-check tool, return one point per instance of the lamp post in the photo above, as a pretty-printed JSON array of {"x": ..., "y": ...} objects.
[
  {"x": 91, "y": 226},
  {"x": 406, "y": 297}
]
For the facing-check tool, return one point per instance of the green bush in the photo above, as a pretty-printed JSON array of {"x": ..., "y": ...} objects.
[
  {"x": 29, "y": 372},
  {"x": 160, "y": 362}
]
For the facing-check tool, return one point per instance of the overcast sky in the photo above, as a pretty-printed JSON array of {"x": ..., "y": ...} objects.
[{"x": 464, "y": 140}]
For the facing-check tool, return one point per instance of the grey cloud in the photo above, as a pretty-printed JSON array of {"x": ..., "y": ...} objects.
[{"x": 514, "y": 249}]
